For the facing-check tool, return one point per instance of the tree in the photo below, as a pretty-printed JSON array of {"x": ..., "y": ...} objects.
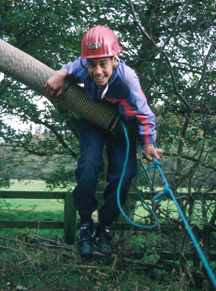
[{"x": 170, "y": 44}]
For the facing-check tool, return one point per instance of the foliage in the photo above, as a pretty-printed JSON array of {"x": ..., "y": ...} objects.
[
  {"x": 144, "y": 247},
  {"x": 148, "y": 245},
  {"x": 170, "y": 45},
  {"x": 44, "y": 265}
]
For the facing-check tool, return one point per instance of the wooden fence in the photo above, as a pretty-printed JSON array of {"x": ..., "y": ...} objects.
[{"x": 70, "y": 224}]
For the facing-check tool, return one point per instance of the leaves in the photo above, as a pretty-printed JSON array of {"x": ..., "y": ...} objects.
[{"x": 169, "y": 44}]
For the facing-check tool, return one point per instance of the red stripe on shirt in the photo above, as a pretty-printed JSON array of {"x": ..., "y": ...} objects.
[{"x": 131, "y": 112}]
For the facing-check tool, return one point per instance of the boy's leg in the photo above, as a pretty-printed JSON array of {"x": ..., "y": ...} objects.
[
  {"x": 116, "y": 150},
  {"x": 87, "y": 172},
  {"x": 89, "y": 164}
]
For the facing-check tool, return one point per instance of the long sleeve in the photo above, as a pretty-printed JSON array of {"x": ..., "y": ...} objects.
[
  {"x": 132, "y": 102},
  {"x": 75, "y": 69},
  {"x": 124, "y": 90}
]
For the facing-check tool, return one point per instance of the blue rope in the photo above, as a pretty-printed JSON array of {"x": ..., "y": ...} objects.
[
  {"x": 119, "y": 188},
  {"x": 196, "y": 244},
  {"x": 157, "y": 199}
]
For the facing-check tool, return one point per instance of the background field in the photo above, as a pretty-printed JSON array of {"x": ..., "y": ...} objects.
[{"x": 64, "y": 270}]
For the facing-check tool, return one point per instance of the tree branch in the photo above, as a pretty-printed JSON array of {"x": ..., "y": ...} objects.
[
  {"x": 208, "y": 166},
  {"x": 36, "y": 120},
  {"x": 164, "y": 55},
  {"x": 203, "y": 70}
]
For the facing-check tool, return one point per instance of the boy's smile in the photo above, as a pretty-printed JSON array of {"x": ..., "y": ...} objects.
[{"x": 100, "y": 70}]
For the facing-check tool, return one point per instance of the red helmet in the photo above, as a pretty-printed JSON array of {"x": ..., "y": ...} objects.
[{"x": 98, "y": 42}]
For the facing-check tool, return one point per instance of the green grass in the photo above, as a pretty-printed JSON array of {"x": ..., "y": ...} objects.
[
  {"x": 38, "y": 209},
  {"x": 36, "y": 269},
  {"x": 32, "y": 208},
  {"x": 28, "y": 185}
]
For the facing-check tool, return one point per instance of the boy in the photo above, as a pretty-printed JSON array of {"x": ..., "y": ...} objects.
[{"x": 108, "y": 79}]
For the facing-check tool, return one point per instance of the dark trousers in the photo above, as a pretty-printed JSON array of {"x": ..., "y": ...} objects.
[{"x": 92, "y": 141}]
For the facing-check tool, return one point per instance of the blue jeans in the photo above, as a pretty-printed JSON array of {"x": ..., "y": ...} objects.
[{"x": 92, "y": 141}]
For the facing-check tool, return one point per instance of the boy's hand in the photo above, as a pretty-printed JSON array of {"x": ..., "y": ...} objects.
[
  {"x": 150, "y": 151},
  {"x": 54, "y": 86}
]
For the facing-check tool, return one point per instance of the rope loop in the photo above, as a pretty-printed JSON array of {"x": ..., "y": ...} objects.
[
  {"x": 156, "y": 162},
  {"x": 159, "y": 197}
]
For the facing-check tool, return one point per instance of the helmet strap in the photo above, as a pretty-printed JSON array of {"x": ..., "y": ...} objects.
[{"x": 83, "y": 65}]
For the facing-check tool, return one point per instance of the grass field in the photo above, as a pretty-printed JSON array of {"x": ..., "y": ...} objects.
[
  {"x": 31, "y": 209},
  {"x": 33, "y": 206},
  {"x": 38, "y": 209},
  {"x": 28, "y": 185},
  {"x": 38, "y": 267}
]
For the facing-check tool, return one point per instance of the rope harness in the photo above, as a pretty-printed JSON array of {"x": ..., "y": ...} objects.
[{"x": 157, "y": 199}]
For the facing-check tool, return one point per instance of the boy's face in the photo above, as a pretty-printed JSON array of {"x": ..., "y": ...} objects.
[{"x": 100, "y": 70}]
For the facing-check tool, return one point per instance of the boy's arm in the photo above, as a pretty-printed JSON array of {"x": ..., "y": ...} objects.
[
  {"x": 136, "y": 105},
  {"x": 54, "y": 86}
]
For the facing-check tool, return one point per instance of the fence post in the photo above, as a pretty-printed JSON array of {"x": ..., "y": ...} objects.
[{"x": 70, "y": 219}]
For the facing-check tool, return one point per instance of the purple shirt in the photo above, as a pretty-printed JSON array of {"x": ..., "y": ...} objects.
[{"x": 124, "y": 90}]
